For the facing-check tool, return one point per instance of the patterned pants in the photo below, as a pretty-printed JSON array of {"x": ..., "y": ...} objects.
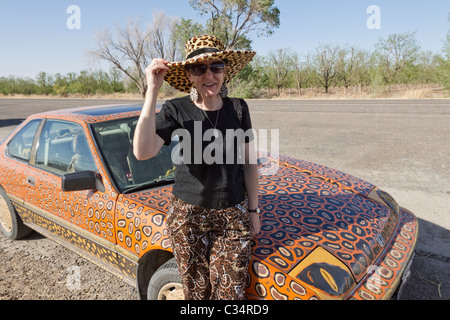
[{"x": 211, "y": 248}]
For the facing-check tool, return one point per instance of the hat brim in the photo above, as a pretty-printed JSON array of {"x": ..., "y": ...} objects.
[{"x": 236, "y": 61}]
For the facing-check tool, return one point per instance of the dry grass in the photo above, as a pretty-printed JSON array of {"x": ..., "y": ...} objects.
[
  {"x": 113, "y": 96},
  {"x": 356, "y": 93},
  {"x": 395, "y": 92}
]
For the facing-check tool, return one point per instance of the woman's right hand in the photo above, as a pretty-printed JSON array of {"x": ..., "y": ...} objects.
[{"x": 155, "y": 73}]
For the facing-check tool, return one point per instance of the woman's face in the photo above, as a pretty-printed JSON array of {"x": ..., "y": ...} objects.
[{"x": 210, "y": 82}]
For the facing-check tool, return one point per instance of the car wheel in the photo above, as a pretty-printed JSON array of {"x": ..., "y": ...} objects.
[
  {"x": 165, "y": 283},
  {"x": 10, "y": 223}
]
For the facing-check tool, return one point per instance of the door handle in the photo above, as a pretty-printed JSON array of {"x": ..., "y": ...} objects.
[{"x": 31, "y": 181}]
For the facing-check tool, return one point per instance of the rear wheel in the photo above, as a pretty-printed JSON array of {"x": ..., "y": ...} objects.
[
  {"x": 10, "y": 223},
  {"x": 165, "y": 283}
]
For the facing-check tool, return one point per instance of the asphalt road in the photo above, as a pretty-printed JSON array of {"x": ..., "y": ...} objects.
[{"x": 402, "y": 146}]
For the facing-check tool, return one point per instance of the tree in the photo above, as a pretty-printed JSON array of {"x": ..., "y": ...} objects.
[
  {"x": 325, "y": 62},
  {"x": 132, "y": 48},
  {"x": 364, "y": 64},
  {"x": 444, "y": 67},
  {"x": 116, "y": 80},
  {"x": 234, "y": 21},
  {"x": 280, "y": 65},
  {"x": 425, "y": 69},
  {"x": 185, "y": 30},
  {"x": 346, "y": 66},
  {"x": 162, "y": 37},
  {"x": 398, "y": 52},
  {"x": 250, "y": 82},
  {"x": 45, "y": 83},
  {"x": 446, "y": 48},
  {"x": 302, "y": 72},
  {"x": 352, "y": 67},
  {"x": 126, "y": 52}
]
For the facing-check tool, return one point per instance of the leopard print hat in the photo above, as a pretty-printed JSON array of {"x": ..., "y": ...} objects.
[{"x": 206, "y": 48}]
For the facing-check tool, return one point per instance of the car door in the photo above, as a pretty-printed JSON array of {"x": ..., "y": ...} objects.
[
  {"x": 17, "y": 171},
  {"x": 81, "y": 220},
  {"x": 63, "y": 148}
]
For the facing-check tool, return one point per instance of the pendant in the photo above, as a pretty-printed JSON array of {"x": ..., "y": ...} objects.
[{"x": 216, "y": 133}]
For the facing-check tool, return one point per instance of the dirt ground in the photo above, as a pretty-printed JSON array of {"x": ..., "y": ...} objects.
[
  {"x": 398, "y": 145},
  {"x": 37, "y": 268}
]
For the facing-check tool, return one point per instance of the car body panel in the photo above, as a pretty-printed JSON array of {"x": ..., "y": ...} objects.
[
  {"x": 312, "y": 217},
  {"x": 141, "y": 220}
]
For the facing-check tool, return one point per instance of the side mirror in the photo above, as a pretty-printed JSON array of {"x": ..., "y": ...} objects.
[{"x": 79, "y": 181}]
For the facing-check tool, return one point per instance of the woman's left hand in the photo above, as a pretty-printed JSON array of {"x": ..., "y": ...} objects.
[{"x": 255, "y": 224}]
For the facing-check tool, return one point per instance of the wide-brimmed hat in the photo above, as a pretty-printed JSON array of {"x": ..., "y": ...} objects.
[{"x": 206, "y": 48}]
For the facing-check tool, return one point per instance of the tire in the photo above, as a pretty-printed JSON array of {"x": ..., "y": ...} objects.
[
  {"x": 10, "y": 223},
  {"x": 165, "y": 283}
]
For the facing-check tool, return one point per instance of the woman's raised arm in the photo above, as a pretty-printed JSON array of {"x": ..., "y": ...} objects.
[{"x": 146, "y": 143}]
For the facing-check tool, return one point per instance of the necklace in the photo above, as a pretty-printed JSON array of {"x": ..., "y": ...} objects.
[{"x": 216, "y": 132}]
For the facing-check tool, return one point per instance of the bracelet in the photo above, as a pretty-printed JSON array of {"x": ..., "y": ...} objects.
[{"x": 255, "y": 210}]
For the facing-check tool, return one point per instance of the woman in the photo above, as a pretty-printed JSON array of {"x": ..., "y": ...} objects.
[{"x": 214, "y": 209}]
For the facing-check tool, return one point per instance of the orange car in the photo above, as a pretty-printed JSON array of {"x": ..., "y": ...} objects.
[{"x": 71, "y": 175}]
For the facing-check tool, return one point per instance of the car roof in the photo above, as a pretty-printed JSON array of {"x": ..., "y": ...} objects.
[{"x": 94, "y": 114}]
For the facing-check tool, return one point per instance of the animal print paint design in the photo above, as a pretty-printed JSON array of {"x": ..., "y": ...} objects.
[
  {"x": 303, "y": 206},
  {"x": 141, "y": 219},
  {"x": 80, "y": 242}
]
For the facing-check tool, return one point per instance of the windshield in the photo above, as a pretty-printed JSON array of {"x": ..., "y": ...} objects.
[{"x": 115, "y": 141}]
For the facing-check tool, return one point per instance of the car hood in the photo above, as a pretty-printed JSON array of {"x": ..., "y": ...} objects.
[{"x": 305, "y": 206}]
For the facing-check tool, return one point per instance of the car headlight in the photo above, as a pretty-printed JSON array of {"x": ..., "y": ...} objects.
[
  {"x": 390, "y": 201},
  {"x": 325, "y": 274},
  {"x": 385, "y": 198}
]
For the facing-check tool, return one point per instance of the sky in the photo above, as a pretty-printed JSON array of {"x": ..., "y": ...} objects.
[{"x": 34, "y": 35}]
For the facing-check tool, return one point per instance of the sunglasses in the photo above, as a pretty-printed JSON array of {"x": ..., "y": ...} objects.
[{"x": 200, "y": 69}]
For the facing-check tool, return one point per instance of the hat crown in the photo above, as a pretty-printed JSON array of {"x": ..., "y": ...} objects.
[
  {"x": 201, "y": 43},
  {"x": 202, "y": 49}
]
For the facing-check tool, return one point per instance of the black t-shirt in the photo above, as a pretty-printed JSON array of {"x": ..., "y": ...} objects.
[{"x": 210, "y": 176}]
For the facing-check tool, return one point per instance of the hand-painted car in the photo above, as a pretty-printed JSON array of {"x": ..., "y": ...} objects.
[{"x": 71, "y": 175}]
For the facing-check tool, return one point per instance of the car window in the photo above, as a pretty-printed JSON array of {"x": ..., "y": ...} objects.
[
  {"x": 115, "y": 141},
  {"x": 63, "y": 148},
  {"x": 20, "y": 145}
]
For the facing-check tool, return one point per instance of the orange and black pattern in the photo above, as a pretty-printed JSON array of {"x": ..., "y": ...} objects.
[
  {"x": 304, "y": 206},
  {"x": 212, "y": 249}
]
